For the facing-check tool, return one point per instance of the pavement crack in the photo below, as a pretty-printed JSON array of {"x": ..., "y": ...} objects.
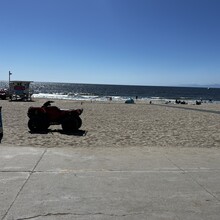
[
  {"x": 193, "y": 179},
  {"x": 80, "y": 214},
  {"x": 203, "y": 187},
  {"x": 174, "y": 164},
  {"x": 45, "y": 215},
  {"x": 25, "y": 182},
  {"x": 39, "y": 161}
]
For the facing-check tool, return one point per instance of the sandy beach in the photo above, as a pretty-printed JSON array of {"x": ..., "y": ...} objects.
[{"x": 112, "y": 124}]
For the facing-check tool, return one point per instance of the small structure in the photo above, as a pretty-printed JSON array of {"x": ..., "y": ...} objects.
[
  {"x": 20, "y": 90},
  {"x": 129, "y": 101}
]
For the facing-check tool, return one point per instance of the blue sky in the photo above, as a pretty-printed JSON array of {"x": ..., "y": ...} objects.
[{"x": 130, "y": 42}]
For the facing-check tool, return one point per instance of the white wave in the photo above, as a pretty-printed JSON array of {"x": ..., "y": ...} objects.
[
  {"x": 83, "y": 97},
  {"x": 80, "y": 97}
]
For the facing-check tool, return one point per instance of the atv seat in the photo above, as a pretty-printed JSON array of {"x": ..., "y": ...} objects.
[{"x": 52, "y": 110}]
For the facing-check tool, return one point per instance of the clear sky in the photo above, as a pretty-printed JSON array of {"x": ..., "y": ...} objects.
[{"x": 131, "y": 42}]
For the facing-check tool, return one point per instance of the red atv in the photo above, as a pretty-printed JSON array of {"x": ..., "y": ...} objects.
[{"x": 40, "y": 118}]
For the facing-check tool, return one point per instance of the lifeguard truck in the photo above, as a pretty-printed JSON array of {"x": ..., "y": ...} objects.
[{"x": 20, "y": 90}]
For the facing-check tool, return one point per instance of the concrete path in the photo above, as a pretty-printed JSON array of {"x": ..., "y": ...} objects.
[{"x": 103, "y": 183}]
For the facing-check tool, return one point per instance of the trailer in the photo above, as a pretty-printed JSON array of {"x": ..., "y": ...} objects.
[{"x": 20, "y": 90}]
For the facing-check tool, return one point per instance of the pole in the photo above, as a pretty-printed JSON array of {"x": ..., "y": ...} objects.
[
  {"x": 1, "y": 126},
  {"x": 9, "y": 79}
]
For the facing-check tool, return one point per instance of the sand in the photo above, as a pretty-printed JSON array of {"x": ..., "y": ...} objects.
[{"x": 112, "y": 124}]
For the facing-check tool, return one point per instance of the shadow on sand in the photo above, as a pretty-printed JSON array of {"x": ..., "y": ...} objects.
[
  {"x": 191, "y": 109},
  {"x": 75, "y": 133}
]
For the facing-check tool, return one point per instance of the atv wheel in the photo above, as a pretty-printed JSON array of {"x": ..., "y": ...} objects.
[
  {"x": 38, "y": 124},
  {"x": 79, "y": 122},
  {"x": 70, "y": 124}
]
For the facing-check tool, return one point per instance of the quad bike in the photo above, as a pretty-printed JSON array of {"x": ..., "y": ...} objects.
[{"x": 40, "y": 118}]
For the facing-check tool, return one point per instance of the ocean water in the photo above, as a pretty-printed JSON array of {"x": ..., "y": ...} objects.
[{"x": 74, "y": 91}]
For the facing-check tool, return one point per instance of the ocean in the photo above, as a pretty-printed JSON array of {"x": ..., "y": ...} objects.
[{"x": 75, "y": 91}]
